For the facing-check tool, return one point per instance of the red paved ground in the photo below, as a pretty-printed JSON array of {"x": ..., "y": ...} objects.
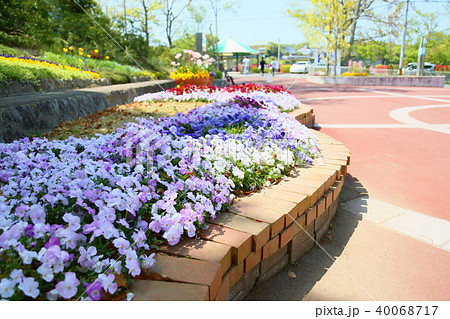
[{"x": 407, "y": 167}]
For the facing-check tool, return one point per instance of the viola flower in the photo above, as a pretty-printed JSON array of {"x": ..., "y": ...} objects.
[
  {"x": 29, "y": 287},
  {"x": 68, "y": 288},
  {"x": 108, "y": 283},
  {"x": 16, "y": 275},
  {"x": 121, "y": 244},
  {"x": 7, "y": 287},
  {"x": 94, "y": 290}
]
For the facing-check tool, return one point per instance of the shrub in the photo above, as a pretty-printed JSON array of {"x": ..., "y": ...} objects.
[
  {"x": 255, "y": 70},
  {"x": 286, "y": 68}
]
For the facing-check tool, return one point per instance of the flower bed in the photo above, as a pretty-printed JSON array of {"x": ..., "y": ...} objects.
[
  {"x": 80, "y": 217},
  {"x": 275, "y": 96},
  {"x": 34, "y": 64}
]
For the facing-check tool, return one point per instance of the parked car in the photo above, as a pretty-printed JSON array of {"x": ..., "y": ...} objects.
[
  {"x": 300, "y": 67},
  {"x": 428, "y": 68}
]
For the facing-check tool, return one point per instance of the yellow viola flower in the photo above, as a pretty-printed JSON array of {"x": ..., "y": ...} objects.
[
  {"x": 80, "y": 60},
  {"x": 65, "y": 49},
  {"x": 96, "y": 51},
  {"x": 80, "y": 49},
  {"x": 70, "y": 48},
  {"x": 88, "y": 56},
  {"x": 80, "y": 53},
  {"x": 107, "y": 57}
]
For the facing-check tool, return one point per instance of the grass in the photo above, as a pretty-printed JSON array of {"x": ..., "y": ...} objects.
[{"x": 109, "y": 120}]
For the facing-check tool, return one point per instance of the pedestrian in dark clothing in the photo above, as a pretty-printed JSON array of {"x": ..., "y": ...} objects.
[{"x": 262, "y": 64}]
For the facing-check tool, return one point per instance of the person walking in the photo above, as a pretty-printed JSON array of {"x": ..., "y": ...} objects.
[
  {"x": 273, "y": 65},
  {"x": 246, "y": 61},
  {"x": 262, "y": 65}
]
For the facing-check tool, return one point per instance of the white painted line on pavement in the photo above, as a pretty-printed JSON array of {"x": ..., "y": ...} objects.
[
  {"x": 405, "y": 95},
  {"x": 431, "y": 230},
  {"x": 402, "y": 115}
]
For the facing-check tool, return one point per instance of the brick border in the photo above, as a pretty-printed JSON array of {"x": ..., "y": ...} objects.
[{"x": 256, "y": 238}]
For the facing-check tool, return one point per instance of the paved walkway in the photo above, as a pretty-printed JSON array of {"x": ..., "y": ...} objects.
[{"x": 390, "y": 239}]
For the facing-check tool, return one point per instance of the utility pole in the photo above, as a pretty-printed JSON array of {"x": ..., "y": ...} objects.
[
  {"x": 278, "y": 61},
  {"x": 421, "y": 56},
  {"x": 402, "y": 52}
]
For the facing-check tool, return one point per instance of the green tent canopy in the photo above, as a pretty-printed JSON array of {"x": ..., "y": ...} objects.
[{"x": 230, "y": 47}]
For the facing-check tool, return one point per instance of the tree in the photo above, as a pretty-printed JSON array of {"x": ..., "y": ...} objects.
[
  {"x": 171, "y": 14},
  {"x": 326, "y": 21},
  {"x": 25, "y": 23}
]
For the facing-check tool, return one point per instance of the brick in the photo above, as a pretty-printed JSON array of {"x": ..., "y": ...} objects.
[
  {"x": 328, "y": 198},
  {"x": 310, "y": 191},
  {"x": 332, "y": 209},
  {"x": 307, "y": 233},
  {"x": 224, "y": 289},
  {"x": 302, "y": 201},
  {"x": 321, "y": 231},
  {"x": 300, "y": 246},
  {"x": 311, "y": 215},
  {"x": 321, "y": 219},
  {"x": 275, "y": 219},
  {"x": 260, "y": 231},
  {"x": 202, "y": 250},
  {"x": 242, "y": 288},
  {"x": 252, "y": 260},
  {"x": 273, "y": 264},
  {"x": 240, "y": 242},
  {"x": 270, "y": 247},
  {"x": 236, "y": 273},
  {"x": 300, "y": 223},
  {"x": 151, "y": 290},
  {"x": 318, "y": 184},
  {"x": 264, "y": 200},
  {"x": 287, "y": 235},
  {"x": 206, "y": 273},
  {"x": 321, "y": 204}
]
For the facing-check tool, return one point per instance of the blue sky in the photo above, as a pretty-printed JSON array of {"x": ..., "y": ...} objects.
[{"x": 256, "y": 22}]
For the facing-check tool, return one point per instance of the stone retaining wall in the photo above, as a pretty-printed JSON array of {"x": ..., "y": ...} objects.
[
  {"x": 34, "y": 113},
  {"x": 428, "y": 81},
  {"x": 260, "y": 235},
  {"x": 8, "y": 88}
]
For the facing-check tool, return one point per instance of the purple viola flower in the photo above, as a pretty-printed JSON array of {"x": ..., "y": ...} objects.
[
  {"x": 28, "y": 230},
  {"x": 68, "y": 287},
  {"x": 94, "y": 290},
  {"x": 52, "y": 242}
]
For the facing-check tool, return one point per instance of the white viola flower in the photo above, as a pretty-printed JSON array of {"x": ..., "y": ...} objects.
[
  {"x": 7, "y": 288},
  {"x": 28, "y": 256},
  {"x": 5, "y": 210},
  {"x": 73, "y": 221},
  {"x": 16, "y": 275},
  {"x": 237, "y": 172},
  {"x": 46, "y": 273},
  {"x": 53, "y": 295},
  {"x": 29, "y": 287}
]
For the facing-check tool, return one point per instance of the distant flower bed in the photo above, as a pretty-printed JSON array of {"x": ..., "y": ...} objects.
[
  {"x": 44, "y": 63},
  {"x": 80, "y": 217},
  {"x": 191, "y": 65},
  {"x": 355, "y": 74},
  {"x": 273, "y": 95}
]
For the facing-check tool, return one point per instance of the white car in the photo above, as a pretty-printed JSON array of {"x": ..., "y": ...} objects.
[
  {"x": 428, "y": 68},
  {"x": 300, "y": 67}
]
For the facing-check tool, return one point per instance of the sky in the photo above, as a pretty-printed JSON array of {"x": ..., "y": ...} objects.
[{"x": 257, "y": 22}]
